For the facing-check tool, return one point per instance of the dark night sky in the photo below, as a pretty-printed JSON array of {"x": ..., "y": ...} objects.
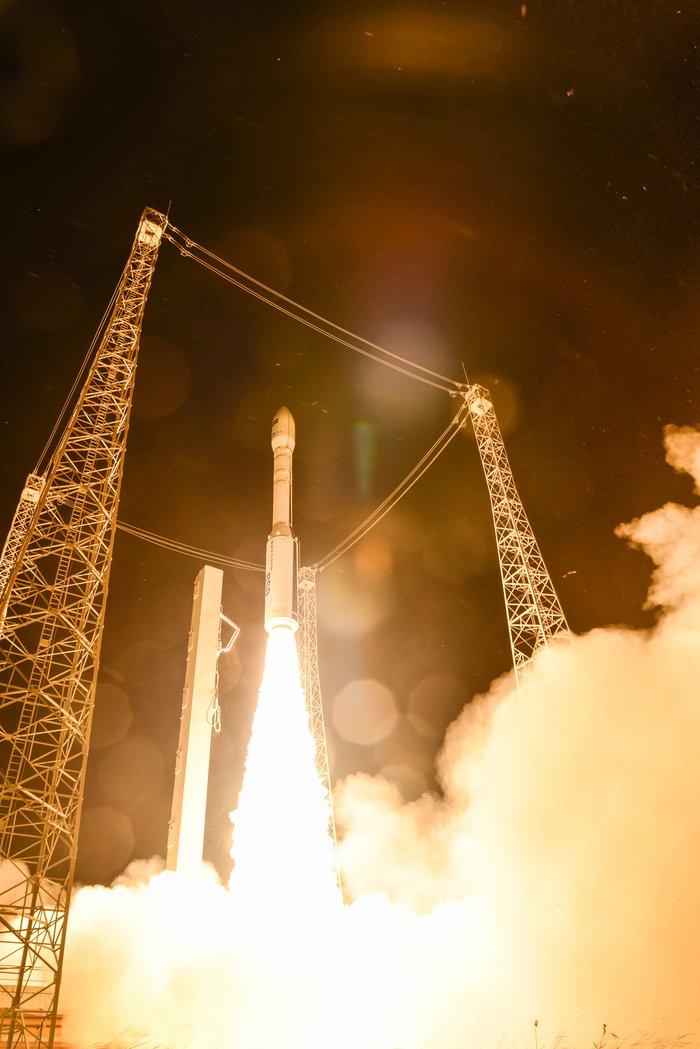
[{"x": 511, "y": 188}]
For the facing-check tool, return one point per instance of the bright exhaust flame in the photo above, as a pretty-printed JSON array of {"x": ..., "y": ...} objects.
[
  {"x": 283, "y": 854},
  {"x": 552, "y": 883}
]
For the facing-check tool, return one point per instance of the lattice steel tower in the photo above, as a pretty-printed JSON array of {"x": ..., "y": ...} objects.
[
  {"x": 534, "y": 613},
  {"x": 56, "y": 565},
  {"x": 307, "y": 645}
]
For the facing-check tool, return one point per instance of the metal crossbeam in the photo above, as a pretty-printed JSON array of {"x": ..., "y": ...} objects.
[
  {"x": 307, "y": 644},
  {"x": 534, "y": 613},
  {"x": 18, "y": 529},
  {"x": 52, "y": 614}
]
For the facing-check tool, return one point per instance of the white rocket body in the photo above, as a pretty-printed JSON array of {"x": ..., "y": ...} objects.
[{"x": 281, "y": 559}]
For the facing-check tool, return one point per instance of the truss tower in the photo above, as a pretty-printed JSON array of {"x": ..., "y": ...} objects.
[
  {"x": 533, "y": 609},
  {"x": 33, "y": 488},
  {"x": 54, "y": 572},
  {"x": 57, "y": 564},
  {"x": 307, "y": 645}
]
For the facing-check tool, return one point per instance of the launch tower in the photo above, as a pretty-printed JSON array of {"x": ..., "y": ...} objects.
[
  {"x": 57, "y": 562},
  {"x": 535, "y": 615},
  {"x": 54, "y": 573}
]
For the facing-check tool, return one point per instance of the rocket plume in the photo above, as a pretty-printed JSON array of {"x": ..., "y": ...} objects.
[
  {"x": 554, "y": 881},
  {"x": 284, "y": 863},
  {"x": 284, "y": 858}
]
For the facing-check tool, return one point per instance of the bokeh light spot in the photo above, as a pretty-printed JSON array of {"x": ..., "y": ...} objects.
[
  {"x": 348, "y": 609},
  {"x": 436, "y": 700},
  {"x": 373, "y": 558},
  {"x": 364, "y": 712},
  {"x": 131, "y": 775},
  {"x": 410, "y": 773},
  {"x": 393, "y": 397},
  {"x": 106, "y": 842},
  {"x": 112, "y": 718}
]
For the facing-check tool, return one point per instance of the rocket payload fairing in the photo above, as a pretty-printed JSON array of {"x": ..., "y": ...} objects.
[{"x": 282, "y": 549}]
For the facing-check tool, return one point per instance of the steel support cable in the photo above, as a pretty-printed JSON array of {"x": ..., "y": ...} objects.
[
  {"x": 316, "y": 327},
  {"x": 321, "y": 330},
  {"x": 381, "y": 511},
  {"x": 81, "y": 372},
  {"x": 276, "y": 299},
  {"x": 187, "y": 550},
  {"x": 402, "y": 489}
]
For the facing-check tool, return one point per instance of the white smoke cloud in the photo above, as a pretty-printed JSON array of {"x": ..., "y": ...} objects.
[
  {"x": 151, "y": 961},
  {"x": 555, "y": 881},
  {"x": 572, "y": 808},
  {"x": 671, "y": 537}
]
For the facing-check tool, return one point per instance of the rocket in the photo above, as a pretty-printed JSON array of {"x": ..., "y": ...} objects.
[{"x": 282, "y": 547}]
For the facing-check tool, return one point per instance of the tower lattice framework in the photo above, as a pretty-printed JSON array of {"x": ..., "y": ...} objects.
[
  {"x": 533, "y": 609},
  {"x": 52, "y": 614},
  {"x": 24, "y": 513},
  {"x": 307, "y": 645}
]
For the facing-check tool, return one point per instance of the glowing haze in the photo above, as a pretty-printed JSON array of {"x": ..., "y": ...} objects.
[{"x": 553, "y": 882}]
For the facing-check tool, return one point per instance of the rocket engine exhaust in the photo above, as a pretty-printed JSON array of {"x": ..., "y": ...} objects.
[{"x": 282, "y": 547}]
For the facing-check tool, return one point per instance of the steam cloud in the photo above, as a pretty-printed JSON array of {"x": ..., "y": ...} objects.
[{"x": 553, "y": 883}]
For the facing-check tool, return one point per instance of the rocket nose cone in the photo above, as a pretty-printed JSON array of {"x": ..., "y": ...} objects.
[{"x": 283, "y": 435}]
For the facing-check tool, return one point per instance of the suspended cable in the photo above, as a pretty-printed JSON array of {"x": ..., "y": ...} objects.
[
  {"x": 312, "y": 320},
  {"x": 399, "y": 492},
  {"x": 316, "y": 327},
  {"x": 323, "y": 326},
  {"x": 78, "y": 379},
  {"x": 188, "y": 551},
  {"x": 355, "y": 536}
]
